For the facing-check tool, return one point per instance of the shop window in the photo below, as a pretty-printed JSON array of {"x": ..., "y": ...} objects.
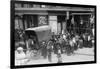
[
  {"x": 79, "y": 24},
  {"x": 30, "y": 21},
  {"x": 42, "y": 20},
  {"x": 18, "y": 5}
]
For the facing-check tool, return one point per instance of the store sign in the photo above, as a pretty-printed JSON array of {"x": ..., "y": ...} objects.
[{"x": 42, "y": 20}]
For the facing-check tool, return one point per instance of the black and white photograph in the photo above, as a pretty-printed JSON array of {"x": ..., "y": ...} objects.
[{"x": 52, "y": 33}]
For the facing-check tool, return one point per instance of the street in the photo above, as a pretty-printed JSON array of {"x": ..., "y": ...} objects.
[{"x": 81, "y": 55}]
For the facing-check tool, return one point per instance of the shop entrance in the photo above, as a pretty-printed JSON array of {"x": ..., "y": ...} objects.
[
  {"x": 30, "y": 21},
  {"x": 61, "y": 23}
]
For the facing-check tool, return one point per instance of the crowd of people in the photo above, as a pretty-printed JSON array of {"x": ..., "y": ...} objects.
[{"x": 59, "y": 44}]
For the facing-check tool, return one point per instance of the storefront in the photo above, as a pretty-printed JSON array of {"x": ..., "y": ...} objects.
[
  {"x": 59, "y": 19},
  {"x": 55, "y": 20},
  {"x": 81, "y": 22}
]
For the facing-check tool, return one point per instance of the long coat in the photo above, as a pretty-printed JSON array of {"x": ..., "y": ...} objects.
[{"x": 44, "y": 51}]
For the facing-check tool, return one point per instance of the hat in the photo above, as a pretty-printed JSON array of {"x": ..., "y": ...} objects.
[
  {"x": 43, "y": 42},
  {"x": 19, "y": 48}
]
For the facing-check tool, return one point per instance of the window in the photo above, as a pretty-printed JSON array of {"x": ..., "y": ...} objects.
[{"x": 42, "y": 20}]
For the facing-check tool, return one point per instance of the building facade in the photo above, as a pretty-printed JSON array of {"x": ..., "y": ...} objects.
[{"x": 59, "y": 18}]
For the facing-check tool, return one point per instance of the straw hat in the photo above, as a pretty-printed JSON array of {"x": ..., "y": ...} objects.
[{"x": 20, "y": 48}]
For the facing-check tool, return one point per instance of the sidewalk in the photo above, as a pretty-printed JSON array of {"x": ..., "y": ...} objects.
[{"x": 85, "y": 51}]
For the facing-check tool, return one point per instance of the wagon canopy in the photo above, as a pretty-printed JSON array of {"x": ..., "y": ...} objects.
[{"x": 42, "y": 32}]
